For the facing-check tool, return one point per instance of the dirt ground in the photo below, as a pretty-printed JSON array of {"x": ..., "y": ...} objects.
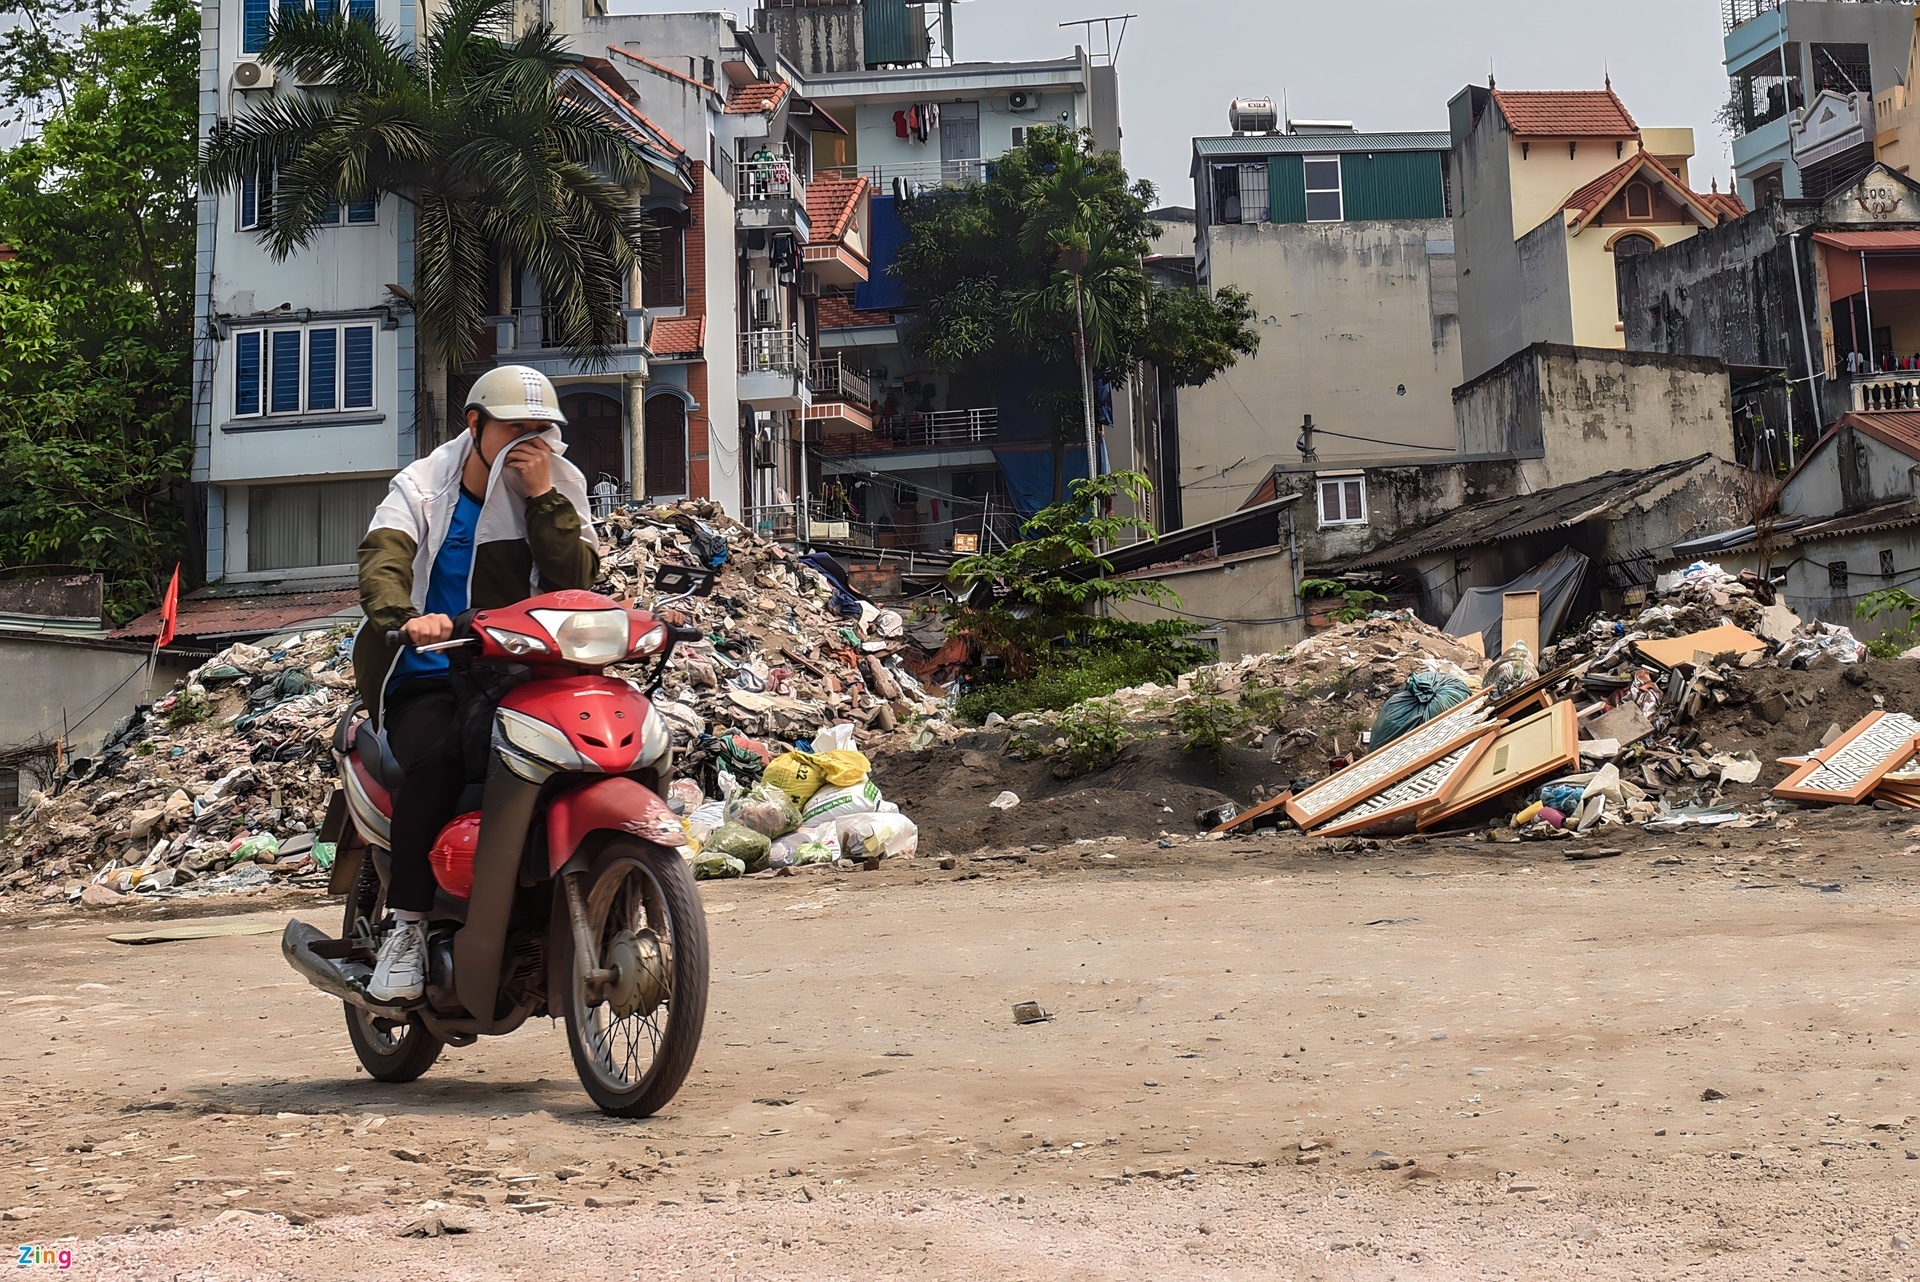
[{"x": 1436, "y": 1060}]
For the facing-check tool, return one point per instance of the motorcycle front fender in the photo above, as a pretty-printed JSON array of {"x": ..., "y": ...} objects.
[
  {"x": 505, "y": 817},
  {"x": 616, "y": 804}
]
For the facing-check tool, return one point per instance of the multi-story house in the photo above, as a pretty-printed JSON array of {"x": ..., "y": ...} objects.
[
  {"x": 1804, "y": 77},
  {"x": 1345, "y": 242},
  {"x": 1551, "y": 189}
]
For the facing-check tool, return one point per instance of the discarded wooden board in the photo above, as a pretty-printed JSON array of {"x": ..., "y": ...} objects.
[
  {"x": 1676, "y": 652},
  {"x": 1260, "y": 811},
  {"x": 185, "y": 934},
  {"x": 1422, "y": 790},
  {"x": 1846, "y": 771},
  {"x": 1627, "y": 723},
  {"x": 1520, "y": 621},
  {"x": 1544, "y": 744},
  {"x": 1378, "y": 771}
]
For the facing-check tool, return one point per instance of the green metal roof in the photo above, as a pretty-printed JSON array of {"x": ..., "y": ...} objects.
[{"x": 1288, "y": 144}]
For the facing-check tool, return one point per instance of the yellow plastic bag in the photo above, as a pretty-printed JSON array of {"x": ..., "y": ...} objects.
[
  {"x": 797, "y": 775},
  {"x": 844, "y": 768}
]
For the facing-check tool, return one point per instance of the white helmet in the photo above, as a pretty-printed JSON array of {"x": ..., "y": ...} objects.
[{"x": 516, "y": 394}]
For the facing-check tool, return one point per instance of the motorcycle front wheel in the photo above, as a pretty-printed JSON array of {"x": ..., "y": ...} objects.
[
  {"x": 633, "y": 1036},
  {"x": 389, "y": 1050}
]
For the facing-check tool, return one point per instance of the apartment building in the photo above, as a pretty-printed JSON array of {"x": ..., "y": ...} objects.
[{"x": 1804, "y": 77}]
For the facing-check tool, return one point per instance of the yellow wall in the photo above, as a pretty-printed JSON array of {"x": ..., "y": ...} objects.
[
  {"x": 1896, "y": 115},
  {"x": 1543, "y": 180},
  {"x": 1673, "y": 148},
  {"x": 1590, "y": 271}
]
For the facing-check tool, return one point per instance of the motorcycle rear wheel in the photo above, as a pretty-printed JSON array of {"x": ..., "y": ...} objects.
[
  {"x": 634, "y": 1046},
  {"x": 389, "y": 1051}
]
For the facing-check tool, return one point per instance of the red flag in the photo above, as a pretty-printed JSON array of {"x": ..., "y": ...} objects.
[{"x": 169, "y": 611}]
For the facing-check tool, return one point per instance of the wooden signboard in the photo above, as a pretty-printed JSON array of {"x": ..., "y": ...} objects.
[
  {"x": 1421, "y": 790},
  {"x": 1378, "y": 771},
  {"x": 1845, "y": 771},
  {"x": 1545, "y": 744}
]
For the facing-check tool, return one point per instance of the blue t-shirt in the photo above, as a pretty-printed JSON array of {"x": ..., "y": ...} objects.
[{"x": 446, "y": 589}]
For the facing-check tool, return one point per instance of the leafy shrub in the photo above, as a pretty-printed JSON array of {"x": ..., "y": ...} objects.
[
  {"x": 1210, "y": 724},
  {"x": 1128, "y": 655},
  {"x": 1096, "y": 735},
  {"x": 189, "y": 709},
  {"x": 1894, "y": 642}
]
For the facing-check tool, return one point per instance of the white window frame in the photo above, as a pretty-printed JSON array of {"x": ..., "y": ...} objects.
[
  {"x": 1338, "y": 190},
  {"x": 340, "y": 330},
  {"x": 1262, "y": 176},
  {"x": 1339, "y": 483}
]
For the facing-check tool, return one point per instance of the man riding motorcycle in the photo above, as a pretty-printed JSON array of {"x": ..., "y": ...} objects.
[{"x": 492, "y": 517}]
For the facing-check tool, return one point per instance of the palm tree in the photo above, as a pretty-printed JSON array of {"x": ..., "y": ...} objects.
[{"x": 500, "y": 166}]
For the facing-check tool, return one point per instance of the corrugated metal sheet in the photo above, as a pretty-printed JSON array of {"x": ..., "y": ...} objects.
[
  {"x": 1319, "y": 144},
  {"x": 1392, "y": 185},
  {"x": 247, "y": 615},
  {"x": 1287, "y": 190},
  {"x": 894, "y": 33}
]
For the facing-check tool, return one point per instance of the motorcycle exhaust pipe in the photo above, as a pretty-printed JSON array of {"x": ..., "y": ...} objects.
[{"x": 297, "y": 944}]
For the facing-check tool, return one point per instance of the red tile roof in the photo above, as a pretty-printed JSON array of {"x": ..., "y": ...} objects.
[
  {"x": 1573, "y": 113},
  {"x": 838, "y": 313},
  {"x": 679, "y": 336},
  {"x": 229, "y": 616},
  {"x": 1592, "y": 198},
  {"x": 831, "y": 203},
  {"x": 749, "y": 100}
]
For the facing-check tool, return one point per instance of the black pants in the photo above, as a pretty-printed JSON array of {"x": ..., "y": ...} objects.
[{"x": 423, "y": 731}]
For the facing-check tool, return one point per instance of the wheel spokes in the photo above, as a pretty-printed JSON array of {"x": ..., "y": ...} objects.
[{"x": 616, "y": 1043}]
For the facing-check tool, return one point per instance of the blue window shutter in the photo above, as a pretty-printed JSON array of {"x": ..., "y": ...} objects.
[
  {"x": 253, "y": 24},
  {"x": 361, "y": 211},
  {"x": 249, "y": 204},
  {"x": 246, "y": 373},
  {"x": 332, "y": 217},
  {"x": 284, "y": 376},
  {"x": 322, "y": 364},
  {"x": 358, "y": 364},
  {"x": 325, "y": 9},
  {"x": 360, "y": 10}
]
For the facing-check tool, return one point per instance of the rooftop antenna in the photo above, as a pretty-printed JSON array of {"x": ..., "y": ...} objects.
[{"x": 1110, "y": 56}]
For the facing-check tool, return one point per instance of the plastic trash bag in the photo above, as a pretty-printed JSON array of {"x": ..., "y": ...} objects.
[
  {"x": 751, "y": 848},
  {"x": 705, "y": 818},
  {"x": 1515, "y": 669},
  {"x": 843, "y": 768},
  {"x": 765, "y": 809},
  {"x": 1425, "y": 696},
  {"x": 684, "y": 797},
  {"x": 837, "y": 803},
  {"x": 835, "y": 738},
  {"x": 878, "y": 836},
  {"x": 709, "y": 866},
  {"x": 796, "y": 774}
]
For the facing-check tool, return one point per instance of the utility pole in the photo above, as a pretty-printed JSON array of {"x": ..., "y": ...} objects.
[
  {"x": 1086, "y": 381},
  {"x": 1308, "y": 454}
]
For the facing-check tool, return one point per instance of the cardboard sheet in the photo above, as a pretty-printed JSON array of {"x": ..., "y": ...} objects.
[
  {"x": 1675, "y": 652},
  {"x": 1543, "y": 745},
  {"x": 1846, "y": 771}
]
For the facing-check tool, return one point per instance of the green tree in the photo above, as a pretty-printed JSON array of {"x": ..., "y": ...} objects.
[
  {"x": 96, "y": 304},
  {"x": 471, "y": 129},
  {"x": 1041, "y": 264}
]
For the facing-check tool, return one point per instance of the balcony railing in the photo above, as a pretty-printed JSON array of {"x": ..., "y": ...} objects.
[
  {"x": 1734, "y": 13},
  {"x": 772, "y": 350},
  {"x": 924, "y": 173},
  {"x": 1876, "y": 393},
  {"x": 941, "y": 429},
  {"x": 529, "y": 329},
  {"x": 833, "y": 381},
  {"x": 765, "y": 177}
]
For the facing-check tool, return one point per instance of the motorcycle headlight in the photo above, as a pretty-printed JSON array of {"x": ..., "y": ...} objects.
[
  {"x": 539, "y": 741},
  {"x": 591, "y": 637}
]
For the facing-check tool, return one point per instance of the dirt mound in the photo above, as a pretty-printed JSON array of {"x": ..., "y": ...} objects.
[
  {"x": 1153, "y": 788},
  {"x": 1780, "y": 712}
]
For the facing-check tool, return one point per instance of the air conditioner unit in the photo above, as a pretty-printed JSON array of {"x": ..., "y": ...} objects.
[
  {"x": 810, "y": 284},
  {"x": 251, "y": 73},
  {"x": 763, "y": 306},
  {"x": 1023, "y": 100}
]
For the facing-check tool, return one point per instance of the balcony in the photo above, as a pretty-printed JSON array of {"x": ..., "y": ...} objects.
[
  {"x": 772, "y": 194},
  {"x": 1880, "y": 393},
  {"x": 940, "y": 431},
  {"x": 773, "y": 370},
  {"x": 842, "y": 398},
  {"x": 526, "y": 337},
  {"x": 920, "y": 174}
]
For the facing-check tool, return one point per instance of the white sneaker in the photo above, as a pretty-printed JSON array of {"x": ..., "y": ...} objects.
[{"x": 400, "y": 974}]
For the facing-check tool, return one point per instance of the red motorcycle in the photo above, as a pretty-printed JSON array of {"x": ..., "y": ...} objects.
[{"x": 561, "y": 889}]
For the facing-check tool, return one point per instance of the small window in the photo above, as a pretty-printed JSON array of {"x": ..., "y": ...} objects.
[
  {"x": 256, "y": 200},
  {"x": 9, "y": 790},
  {"x": 246, "y": 373},
  {"x": 1020, "y": 136},
  {"x": 663, "y": 281},
  {"x": 253, "y": 24},
  {"x": 357, "y": 384},
  {"x": 323, "y": 369},
  {"x": 1639, "y": 200},
  {"x": 1323, "y": 189},
  {"x": 1837, "y": 576},
  {"x": 283, "y": 374},
  {"x": 361, "y": 212},
  {"x": 1886, "y": 564},
  {"x": 294, "y": 371},
  {"x": 1633, "y": 246},
  {"x": 1343, "y": 501},
  {"x": 1254, "y": 194}
]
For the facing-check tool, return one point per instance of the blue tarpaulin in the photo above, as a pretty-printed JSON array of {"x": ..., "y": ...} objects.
[{"x": 883, "y": 291}]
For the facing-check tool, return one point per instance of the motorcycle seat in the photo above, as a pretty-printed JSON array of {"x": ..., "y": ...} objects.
[{"x": 370, "y": 746}]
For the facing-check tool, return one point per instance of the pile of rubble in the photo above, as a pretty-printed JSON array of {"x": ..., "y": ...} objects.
[
  {"x": 222, "y": 785},
  {"x": 217, "y": 788}
]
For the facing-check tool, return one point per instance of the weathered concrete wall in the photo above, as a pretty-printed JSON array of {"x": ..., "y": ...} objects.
[
  {"x": 1809, "y": 581},
  {"x": 80, "y": 596},
  {"x": 1351, "y": 332},
  {"x": 1574, "y": 412},
  {"x": 1484, "y": 237},
  {"x": 1246, "y": 602},
  {"x": 1727, "y": 293},
  {"x": 1400, "y": 500},
  {"x": 819, "y": 40},
  {"x": 1543, "y": 306},
  {"x": 50, "y": 679},
  {"x": 1851, "y": 473}
]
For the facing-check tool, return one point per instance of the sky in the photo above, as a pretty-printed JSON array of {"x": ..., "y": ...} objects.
[{"x": 1386, "y": 65}]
